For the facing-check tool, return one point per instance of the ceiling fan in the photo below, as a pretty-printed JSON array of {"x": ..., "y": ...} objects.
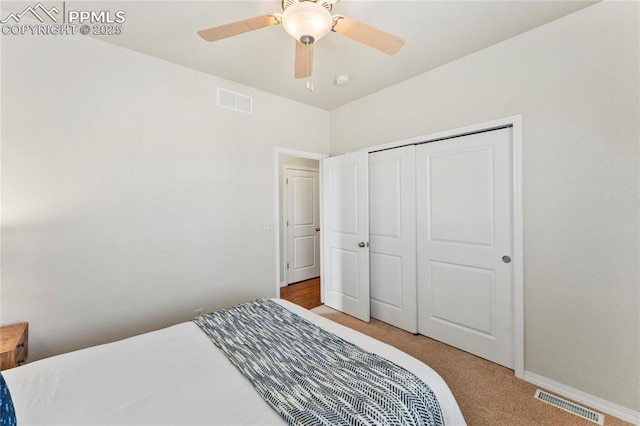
[{"x": 307, "y": 21}]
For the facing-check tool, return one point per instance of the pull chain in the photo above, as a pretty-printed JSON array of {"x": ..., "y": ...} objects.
[{"x": 309, "y": 83}]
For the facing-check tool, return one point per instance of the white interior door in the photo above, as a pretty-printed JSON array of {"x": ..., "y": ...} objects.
[
  {"x": 392, "y": 230},
  {"x": 302, "y": 225},
  {"x": 465, "y": 227},
  {"x": 346, "y": 233}
]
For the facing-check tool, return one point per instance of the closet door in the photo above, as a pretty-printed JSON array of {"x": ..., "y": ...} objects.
[
  {"x": 392, "y": 232},
  {"x": 465, "y": 234}
]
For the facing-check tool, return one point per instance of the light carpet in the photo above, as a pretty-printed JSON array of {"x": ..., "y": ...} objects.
[{"x": 488, "y": 394}]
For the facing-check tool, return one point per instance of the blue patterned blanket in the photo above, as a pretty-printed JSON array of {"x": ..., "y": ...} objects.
[{"x": 313, "y": 377}]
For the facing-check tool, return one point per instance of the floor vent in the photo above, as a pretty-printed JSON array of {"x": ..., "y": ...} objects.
[
  {"x": 570, "y": 407},
  {"x": 234, "y": 101}
]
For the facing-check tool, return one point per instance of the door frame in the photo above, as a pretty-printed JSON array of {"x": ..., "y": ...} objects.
[
  {"x": 285, "y": 207},
  {"x": 515, "y": 122},
  {"x": 277, "y": 151}
]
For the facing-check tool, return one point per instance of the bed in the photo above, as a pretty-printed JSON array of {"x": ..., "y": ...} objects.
[{"x": 174, "y": 376}]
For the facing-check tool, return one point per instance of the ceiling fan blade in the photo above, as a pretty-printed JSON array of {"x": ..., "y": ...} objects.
[
  {"x": 373, "y": 37},
  {"x": 235, "y": 28},
  {"x": 304, "y": 60}
]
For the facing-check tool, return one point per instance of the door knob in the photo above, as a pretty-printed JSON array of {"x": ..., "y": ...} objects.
[
  {"x": 361, "y": 244},
  {"x": 506, "y": 259},
  {"x": 317, "y": 229}
]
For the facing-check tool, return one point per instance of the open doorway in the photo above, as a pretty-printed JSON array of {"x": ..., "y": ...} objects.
[{"x": 298, "y": 219}]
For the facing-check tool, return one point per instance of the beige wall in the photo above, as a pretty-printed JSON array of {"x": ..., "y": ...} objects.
[
  {"x": 575, "y": 82},
  {"x": 129, "y": 198}
]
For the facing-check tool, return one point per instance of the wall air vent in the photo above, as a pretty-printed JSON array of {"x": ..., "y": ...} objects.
[
  {"x": 235, "y": 101},
  {"x": 570, "y": 407}
]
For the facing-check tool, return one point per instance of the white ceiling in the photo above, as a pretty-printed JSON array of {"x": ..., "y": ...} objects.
[{"x": 436, "y": 32}]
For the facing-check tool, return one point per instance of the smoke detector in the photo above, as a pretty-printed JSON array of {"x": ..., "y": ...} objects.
[{"x": 343, "y": 79}]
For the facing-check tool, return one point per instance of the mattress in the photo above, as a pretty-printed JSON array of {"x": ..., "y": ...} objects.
[{"x": 171, "y": 376}]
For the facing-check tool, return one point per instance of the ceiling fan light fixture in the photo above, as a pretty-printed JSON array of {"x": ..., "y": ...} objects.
[{"x": 307, "y": 19}]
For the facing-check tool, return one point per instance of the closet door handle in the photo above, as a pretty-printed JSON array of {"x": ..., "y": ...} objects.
[
  {"x": 363, "y": 244},
  {"x": 506, "y": 259}
]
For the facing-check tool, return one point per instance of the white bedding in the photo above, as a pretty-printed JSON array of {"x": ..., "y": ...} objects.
[{"x": 173, "y": 376}]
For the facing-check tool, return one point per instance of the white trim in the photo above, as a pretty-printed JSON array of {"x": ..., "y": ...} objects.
[
  {"x": 590, "y": 401},
  {"x": 296, "y": 153},
  {"x": 518, "y": 247},
  {"x": 518, "y": 258},
  {"x": 458, "y": 131},
  {"x": 303, "y": 168},
  {"x": 277, "y": 151}
]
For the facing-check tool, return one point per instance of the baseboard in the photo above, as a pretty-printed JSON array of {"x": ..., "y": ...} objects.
[
  {"x": 283, "y": 284},
  {"x": 584, "y": 398}
]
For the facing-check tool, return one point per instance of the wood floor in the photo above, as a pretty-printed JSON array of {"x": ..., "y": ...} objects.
[{"x": 304, "y": 293}]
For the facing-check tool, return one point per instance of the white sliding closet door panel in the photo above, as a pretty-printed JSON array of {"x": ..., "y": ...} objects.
[
  {"x": 346, "y": 233},
  {"x": 392, "y": 230},
  {"x": 465, "y": 227}
]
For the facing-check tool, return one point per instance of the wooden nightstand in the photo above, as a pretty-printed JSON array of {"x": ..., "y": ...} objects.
[{"x": 14, "y": 345}]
